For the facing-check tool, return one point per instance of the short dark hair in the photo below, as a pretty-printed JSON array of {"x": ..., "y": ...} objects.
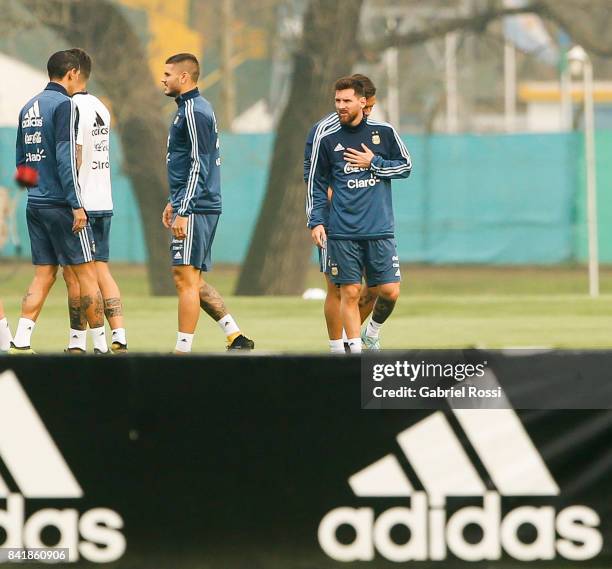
[
  {"x": 368, "y": 86},
  {"x": 181, "y": 57},
  {"x": 61, "y": 62},
  {"x": 350, "y": 83},
  {"x": 84, "y": 61}
]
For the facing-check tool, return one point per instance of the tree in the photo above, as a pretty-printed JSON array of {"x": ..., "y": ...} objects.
[
  {"x": 280, "y": 246},
  {"x": 120, "y": 68},
  {"x": 278, "y": 256}
]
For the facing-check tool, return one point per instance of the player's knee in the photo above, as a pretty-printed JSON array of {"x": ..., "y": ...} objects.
[
  {"x": 390, "y": 291},
  {"x": 70, "y": 279},
  {"x": 182, "y": 279},
  {"x": 351, "y": 293},
  {"x": 46, "y": 275},
  {"x": 368, "y": 296}
]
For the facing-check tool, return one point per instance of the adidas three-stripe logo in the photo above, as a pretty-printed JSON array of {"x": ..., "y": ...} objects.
[
  {"x": 28, "y": 450},
  {"x": 35, "y": 465},
  {"x": 516, "y": 468},
  {"x": 509, "y": 462},
  {"x": 32, "y": 117}
]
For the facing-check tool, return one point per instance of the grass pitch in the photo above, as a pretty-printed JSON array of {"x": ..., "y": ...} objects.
[{"x": 440, "y": 307}]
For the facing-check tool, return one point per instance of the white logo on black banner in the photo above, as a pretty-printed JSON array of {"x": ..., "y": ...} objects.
[
  {"x": 445, "y": 470},
  {"x": 39, "y": 471}
]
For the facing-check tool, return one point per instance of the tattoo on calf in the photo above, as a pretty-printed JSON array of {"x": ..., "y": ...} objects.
[
  {"x": 212, "y": 303},
  {"x": 98, "y": 309},
  {"x": 78, "y": 321},
  {"x": 382, "y": 310},
  {"x": 112, "y": 307}
]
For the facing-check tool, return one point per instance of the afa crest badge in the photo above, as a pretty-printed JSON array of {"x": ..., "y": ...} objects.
[{"x": 375, "y": 137}]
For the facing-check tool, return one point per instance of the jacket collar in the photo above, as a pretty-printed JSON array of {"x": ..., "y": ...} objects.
[
  {"x": 358, "y": 127},
  {"x": 186, "y": 96},
  {"x": 53, "y": 86}
]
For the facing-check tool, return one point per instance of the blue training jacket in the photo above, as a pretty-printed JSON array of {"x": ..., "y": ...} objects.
[
  {"x": 327, "y": 121},
  {"x": 193, "y": 157},
  {"x": 46, "y": 138},
  {"x": 361, "y": 206}
]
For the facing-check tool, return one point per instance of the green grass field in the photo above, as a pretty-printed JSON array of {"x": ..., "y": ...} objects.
[{"x": 440, "y": 307}]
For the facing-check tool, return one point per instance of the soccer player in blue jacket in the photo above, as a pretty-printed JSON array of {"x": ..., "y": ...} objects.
[
  {"x": 194, "y": 206},
  {"x": 57, "y": 222},
  {"x": 358, "y": 159},
  {"x": 337, "y": 336}
]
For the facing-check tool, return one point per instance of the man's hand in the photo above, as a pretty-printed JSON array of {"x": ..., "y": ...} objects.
[
  {"x": 359, "y": 159},
  {"x": 167, "y": 216},
  {"x": 179, "y": 227},
  {"x": 79, "y": 220},
  {"x": 318, "y": 236}
]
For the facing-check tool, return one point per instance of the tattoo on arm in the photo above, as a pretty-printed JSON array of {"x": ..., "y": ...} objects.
[
  {"x": 382, "y": 309},
  {"x": 112, "y": 307},
  {"x": 77, "y": 316},
  {"x": 211, "y": 302}
]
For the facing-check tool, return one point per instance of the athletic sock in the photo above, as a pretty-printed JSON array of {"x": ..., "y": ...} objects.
[
  {"x": 98, "y": 337},
  {"x": 5, "y": 335},
  {"x": 344, "y": 336},
  {"x": 78, "y": 339},
  {"x": 373, "y": 329},
  {"x": 23, "y": 335},
  {"x": 354, "y": 345},
  {"x": 229, "y": 327},
  {"x": 336, "y": 346},
  {"x": 118, "y": 335},
  {"x": 183, "y": 342}
]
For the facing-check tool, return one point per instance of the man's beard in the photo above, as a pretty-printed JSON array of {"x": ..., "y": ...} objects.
[
  {"x": 171, "y": 93},
  {"x": 347, "y": 118}
]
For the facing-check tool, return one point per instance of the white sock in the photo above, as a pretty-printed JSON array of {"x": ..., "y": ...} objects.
[
  {"x": 344, "y": 336},
  {"x": 78, "y": 339},
  {"x": 228, "y": 325},
  {"x": 336, "y": 346},
  {"x": 98, "y": 337},
  {"x": 373, "y": 329},
  {"x": 23, "y": 335},
  {"x": 355, "y": 345},
  {"x": 118, "y": 335},
  {"x": 5, "y": 335},
  {"x": 183, "y": 342}
]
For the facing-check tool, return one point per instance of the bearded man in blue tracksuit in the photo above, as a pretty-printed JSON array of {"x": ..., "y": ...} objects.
[{"x": 358, "y": 158}]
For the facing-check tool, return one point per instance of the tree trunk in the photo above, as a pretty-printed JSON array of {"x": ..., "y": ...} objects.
[
  {"x": 121, "y": 68},
  {"x": 280, "y": 248}
]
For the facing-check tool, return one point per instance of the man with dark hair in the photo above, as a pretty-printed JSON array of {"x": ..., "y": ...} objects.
[
  {"x": 57, "y": 221},
  {"x": 337, "y": 336},
  {"x": 93, "y": 163},
  {"x": 359, "y": 219},
  {"x": 194, "y": 206}
]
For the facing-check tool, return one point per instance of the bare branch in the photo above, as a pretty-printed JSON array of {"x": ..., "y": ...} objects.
[
  {"x": 476, "y": 22},
  {"x": 588, "y": 23}
]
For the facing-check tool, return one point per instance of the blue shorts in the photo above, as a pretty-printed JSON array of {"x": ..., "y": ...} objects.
[
  {"x": 323, "y": 258},
  {"x": 100, "y": 227},
  {"x": 196, "y": 248},
  {"x": 376, "y": 259},
  {"x": 52, "y": 241}
]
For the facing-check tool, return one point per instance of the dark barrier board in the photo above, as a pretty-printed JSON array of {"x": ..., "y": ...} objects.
[{"x": 270, "y": 462}]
